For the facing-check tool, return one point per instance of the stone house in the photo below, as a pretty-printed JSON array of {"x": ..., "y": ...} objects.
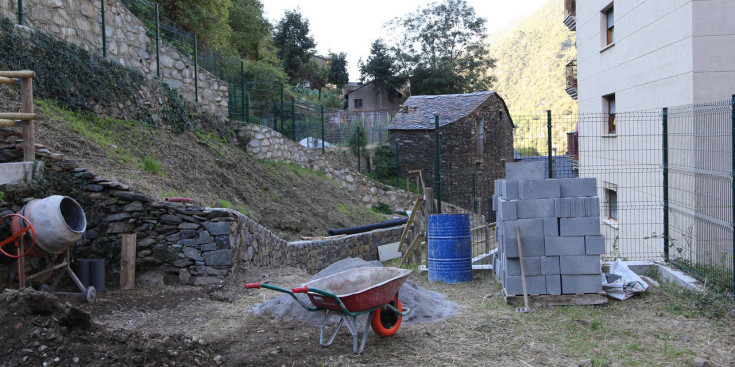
[
  {"x": 373, "y": 97},
  {"x": 475, "y": 140}
]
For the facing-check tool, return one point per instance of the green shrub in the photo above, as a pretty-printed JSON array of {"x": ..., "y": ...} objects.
[
  {"x": 151, "y": 165},
  {"x": 385, "y": 162},
  {"x": 358, "y": 139},
  {"x": 383, "y": 208}
]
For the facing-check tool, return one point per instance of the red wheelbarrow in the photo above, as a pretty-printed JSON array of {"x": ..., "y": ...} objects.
[{"x": 351, "y": 293}]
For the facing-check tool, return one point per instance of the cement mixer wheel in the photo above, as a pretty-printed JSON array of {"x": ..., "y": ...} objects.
[
  {"x": 19, "y": 230},
  {"x": 91, "y": 294}
]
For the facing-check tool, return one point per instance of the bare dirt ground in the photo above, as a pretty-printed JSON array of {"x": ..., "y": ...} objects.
[{"x": 161, "y": 324}]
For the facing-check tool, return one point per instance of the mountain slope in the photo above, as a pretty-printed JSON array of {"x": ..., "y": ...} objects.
[{"x": 530, "y": 63}]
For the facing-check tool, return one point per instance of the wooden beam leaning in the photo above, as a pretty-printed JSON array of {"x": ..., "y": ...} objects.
[
  {"x": 411, "y": 217},
  {"x": 29, "y": 131},
  {"x": 18, "y": 74},
  {"x": 10, "y": 123},
  {"x": 8, "y": 81},
  {"x": 18, "y": 116}
]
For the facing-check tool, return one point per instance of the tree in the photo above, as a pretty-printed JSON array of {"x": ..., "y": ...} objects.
[
  {"x": 443, "y": 47},
  {"x": 250, "y": 30},
  {"x": 205, "y": 18},
  {"x": 381, "y": 67},
  {"x": 295, "y": 45},
  {"x": 338, "y": 69},
  {"x": 317, "y": 76}
]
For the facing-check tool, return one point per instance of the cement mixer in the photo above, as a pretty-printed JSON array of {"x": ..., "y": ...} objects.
[{"x": 47, "y": 228}]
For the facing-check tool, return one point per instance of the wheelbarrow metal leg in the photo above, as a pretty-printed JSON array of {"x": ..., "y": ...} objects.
[
  {"x": 324, "y": 326},
  {"x": 364, "y": 334}
]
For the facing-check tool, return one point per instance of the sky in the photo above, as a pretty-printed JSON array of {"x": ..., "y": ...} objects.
[{"x": 351, "y": 26}]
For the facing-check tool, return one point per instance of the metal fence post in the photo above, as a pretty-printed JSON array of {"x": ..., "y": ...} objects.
[
  {"x": 665, "y": 152},
  {"x": 196, "y": 71},
  {"x": 732, "y": 175},
  {"x": 247, "y": 108},
  {"x": 548, "y": 138},
  {"x": 322, "y": 113},
  {"x": 242, "y": 90},
  {"x": 398, "y": 167},
  {"x": 20, "y": 12},
  {"x": 437, "y": 173},
  {"x": 275, "y": 118},
  {"x": 215, "y": 62},
  {"x": 359, "y": 147},
  {"x": 283, "y": 116},
  {"x": 293, "y": 119},
  {"x": 104, "y": 36},
  {"x": 158, "y": 37}
]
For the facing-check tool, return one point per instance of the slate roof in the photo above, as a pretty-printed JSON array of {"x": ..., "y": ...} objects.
[{"x": 417, "y": 113}]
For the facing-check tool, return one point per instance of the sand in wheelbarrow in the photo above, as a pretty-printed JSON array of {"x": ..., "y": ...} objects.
[{"x": 426, "y": 305}]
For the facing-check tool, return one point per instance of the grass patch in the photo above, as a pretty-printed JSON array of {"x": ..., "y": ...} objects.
[
  {"x": 359, "y": 213},
  {"x": 151, "y": 165},
  {"x": 221, "y": 203},
  {"x": 110, "y": 133},
  {"x": 690, "y": 303},
  {"x": 383, "y": 208}
]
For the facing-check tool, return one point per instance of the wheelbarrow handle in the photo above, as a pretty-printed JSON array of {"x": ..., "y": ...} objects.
[
  {"x": 300, "y": 290},
  {"x": 252, "y": 285},
  {"x": 282, "y": 290}
]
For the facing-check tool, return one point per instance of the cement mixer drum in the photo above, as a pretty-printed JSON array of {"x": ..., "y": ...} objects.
[{"x": 59, "y": 221}]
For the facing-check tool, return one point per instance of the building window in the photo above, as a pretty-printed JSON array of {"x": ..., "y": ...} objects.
[
  {"x": 609, "y": 24},
  {"x": 612, "y": 204},
  {"x": 358, "y": 104},
  {"x": 610, "y": 109}
]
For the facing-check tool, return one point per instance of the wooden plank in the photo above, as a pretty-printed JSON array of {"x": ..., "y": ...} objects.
[
  {"x": 18, "y": 74},
  {"x": 560, "y": 300},
  {"x": 8, "y": 81},
  {"x": 409, "y": 223},
  {"x": 29, "y": 132},
  {"x": 416, "y": 242},
  {"x": 9, "y": 123},
  {"x": 18, "y": 116},
  {"x": 127, "y": 261}
]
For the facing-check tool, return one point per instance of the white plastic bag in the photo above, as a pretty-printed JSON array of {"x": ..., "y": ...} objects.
[{"x": 628, "y": 285}]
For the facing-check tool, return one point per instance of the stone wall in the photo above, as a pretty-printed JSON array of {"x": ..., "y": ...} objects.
[
  {"x": 265, "y": 143},
  {"x": 201, "y": 245},
  {"x": 78, "y": 22}
]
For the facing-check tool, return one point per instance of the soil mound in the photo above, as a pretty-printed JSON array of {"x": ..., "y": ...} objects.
[
  {"x": 38, "y": 330},
  {"x": 426, "y": 305}
]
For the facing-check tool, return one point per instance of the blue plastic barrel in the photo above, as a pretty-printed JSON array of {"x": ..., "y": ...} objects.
[{"x": 450, "y": 248}]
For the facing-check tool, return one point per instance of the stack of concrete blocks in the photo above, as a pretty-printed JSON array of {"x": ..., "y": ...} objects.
[{"x": 559, "y": 222}]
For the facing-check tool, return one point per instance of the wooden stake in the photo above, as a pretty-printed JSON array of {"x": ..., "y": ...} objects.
[
  {"x": 416, "y": 207},
  {"x": 8, "y": 81},
  {"x": 29, "y": 134},
  {"x": 18, "y": 116},
  {"x": 127, "y": 261}
]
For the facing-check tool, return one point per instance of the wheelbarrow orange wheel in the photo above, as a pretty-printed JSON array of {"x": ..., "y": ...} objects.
[{"x": 386, "y": 321}]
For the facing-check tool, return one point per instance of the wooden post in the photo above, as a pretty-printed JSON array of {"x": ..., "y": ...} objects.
[
  {"x": 29, "y": 138},
  {"x": 127, "y": 261}
]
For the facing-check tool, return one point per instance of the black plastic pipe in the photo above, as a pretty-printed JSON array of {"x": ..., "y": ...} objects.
[{"x": 368, "y": 227}]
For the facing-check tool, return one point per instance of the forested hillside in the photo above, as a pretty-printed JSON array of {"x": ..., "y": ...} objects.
[{"x": 530, "y": 63}]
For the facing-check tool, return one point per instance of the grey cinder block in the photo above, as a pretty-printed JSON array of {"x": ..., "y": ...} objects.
[
  {"x": 577, "y": 207},
  {"x": 537, "y": 208},
  {"x": 532, "y": 266},
  {"x": 575, "y": 187},
  {"x": 498, "y": 187},
  {"x": 584, "y": 226},
  {"x": 573, "y": 284},
  {"x": 495, "y": 202},
  {"x": 553, "y": 284},
  {"x": 584, "y": 264},
  {"x": 528, "y": 228},
  {"x": 507, "y": 210},
  {"x": 532, "y": 246},
  {"x": 592, "y": 206},
  {"x": 543, "y": 189},
  {"x": 564, "y": 246},
  {"x": 510, "y": 190},
  {"x": 534, "y": 285},
  {"x": 519, "y": 171},
  {"x": 550, "y": 265},
  {"x": 594, "y": 245},
  {"x": 551, "y": 227}
]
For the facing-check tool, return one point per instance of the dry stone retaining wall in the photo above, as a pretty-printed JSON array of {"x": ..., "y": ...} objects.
[
  {"x": 200, "y": 244},
  {"x": 78, "y": 22},
  {"x": 265, "y": 143}
]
